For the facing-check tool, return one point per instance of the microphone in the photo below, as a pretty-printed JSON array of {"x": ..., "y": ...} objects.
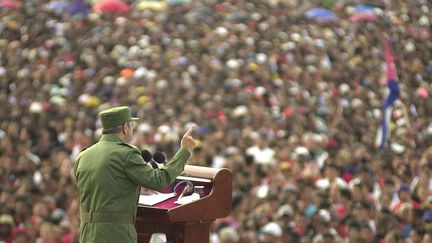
[
  {"x": 146, "y": 155},
  {"x": 159, "y": 157}
]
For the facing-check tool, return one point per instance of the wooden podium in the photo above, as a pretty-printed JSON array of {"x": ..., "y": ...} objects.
[{"x": 189, "y": 223}]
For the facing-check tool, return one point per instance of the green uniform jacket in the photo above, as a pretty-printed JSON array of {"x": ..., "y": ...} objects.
[{"x": 109, "y": 175}]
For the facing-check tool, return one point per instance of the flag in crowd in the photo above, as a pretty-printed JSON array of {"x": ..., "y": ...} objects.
[{"x": 393, "y": 95}]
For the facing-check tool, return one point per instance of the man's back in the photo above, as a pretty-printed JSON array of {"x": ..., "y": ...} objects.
[
  {"x": 104, "y": 187},
  {"x": 109, "y": 175}
]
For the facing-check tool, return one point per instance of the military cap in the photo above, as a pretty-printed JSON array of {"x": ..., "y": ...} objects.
[{"x": 115, "y": 116}]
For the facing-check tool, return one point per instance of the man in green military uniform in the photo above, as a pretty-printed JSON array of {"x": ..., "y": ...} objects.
[{"x": 109, "y": 175}]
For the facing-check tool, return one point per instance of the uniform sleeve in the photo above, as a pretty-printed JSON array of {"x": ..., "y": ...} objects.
[
  {"x": 144, "y": 175},
  {"x": 75, "y": 167}
]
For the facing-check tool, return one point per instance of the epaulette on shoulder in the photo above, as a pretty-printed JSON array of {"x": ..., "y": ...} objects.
[{"x": 128, "y": 145}]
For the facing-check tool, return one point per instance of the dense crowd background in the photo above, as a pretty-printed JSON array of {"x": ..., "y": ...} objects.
[{"x": 290, "y": 105}]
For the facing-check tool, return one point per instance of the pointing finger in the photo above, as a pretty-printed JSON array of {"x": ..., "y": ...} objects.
[{"x": 189, "y": 131}]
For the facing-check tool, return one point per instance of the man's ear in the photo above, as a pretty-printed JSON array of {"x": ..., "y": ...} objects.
[{"x": 123, "y": 128}]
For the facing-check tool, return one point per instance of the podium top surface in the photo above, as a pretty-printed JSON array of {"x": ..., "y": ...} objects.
[{"x": 201, "y": 172}]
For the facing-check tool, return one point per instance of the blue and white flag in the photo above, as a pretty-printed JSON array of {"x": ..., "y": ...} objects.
[{"x": 393, "y": 95}]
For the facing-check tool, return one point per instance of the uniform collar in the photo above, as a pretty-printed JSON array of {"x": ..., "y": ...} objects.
[{"x": 111, "y": 138}]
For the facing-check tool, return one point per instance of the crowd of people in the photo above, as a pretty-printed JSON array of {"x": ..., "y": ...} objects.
[{"x": 291, "y": 106}]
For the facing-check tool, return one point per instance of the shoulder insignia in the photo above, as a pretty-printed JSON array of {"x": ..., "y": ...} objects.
[{"x": 128, "y": 145}]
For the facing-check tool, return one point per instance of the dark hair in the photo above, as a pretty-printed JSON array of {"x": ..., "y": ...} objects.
[
  {"x": 389, "y": 181},
  {"x": 354, "y": 225},
  {"x": 114, "y": 129},
  {"x": 346, "y": 193}
]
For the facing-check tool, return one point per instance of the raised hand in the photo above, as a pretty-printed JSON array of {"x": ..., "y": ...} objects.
[{"x": 187, "y": 141}]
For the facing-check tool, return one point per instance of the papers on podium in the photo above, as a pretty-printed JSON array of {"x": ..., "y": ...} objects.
[
  {"x": 153, "y": 199},
  {"x": 187, "y": 199}
]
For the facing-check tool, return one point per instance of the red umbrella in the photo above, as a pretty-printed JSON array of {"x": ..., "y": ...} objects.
[
  {"x": 364, "y": 17},
  {"x": 10, "y": 4},
  {"x": 111, "y": 6}
]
